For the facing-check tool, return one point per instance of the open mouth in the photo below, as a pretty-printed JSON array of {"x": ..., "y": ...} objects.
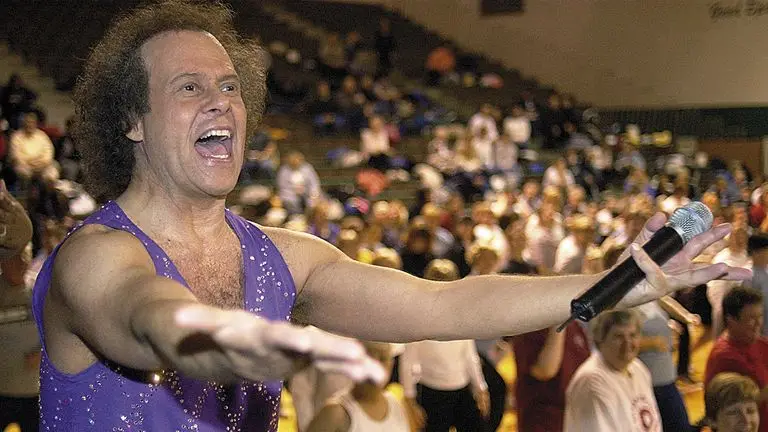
[{"x": 215, "y": 144}]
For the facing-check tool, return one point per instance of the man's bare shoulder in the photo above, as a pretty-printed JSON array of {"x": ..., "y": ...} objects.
[
  {"x": 303, "y": 253},
  {"x": 100, "y": 249}
]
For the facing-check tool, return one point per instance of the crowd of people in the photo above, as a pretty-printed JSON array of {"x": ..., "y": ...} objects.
[{"x": 487, "y": 206}]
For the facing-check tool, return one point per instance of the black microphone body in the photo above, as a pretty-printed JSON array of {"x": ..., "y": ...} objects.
[{"x": 664, "y": 244}]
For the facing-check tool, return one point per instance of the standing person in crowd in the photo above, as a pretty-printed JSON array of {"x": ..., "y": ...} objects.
[
  {"x": 368, "y": 407},
  {"x": 758, "y": 251},
  {"x": 612, "y": 390},
  {"x": 732, "y": 403},
  {"x": 485, "y": 260},
  {"x": 298, "y": 184},
  {"x": 656, "y": 353},
  {"x": 15, "y": 99},
  {"x": 483, "y": 145},
  {"x": 452, "y": 389},
  {"x": 518, "y": 126},
  {"x": 374, "y": 144},
  {"x": 484, "y": 118},
  {"x": 544, "y": 231},
  {"x": 161, "y": 278},
  {"x": 569, "y": 258},
  {"x": 742, "y": 348},
  {"x": 734, "y": 254},
  {"x": 385, "y": 45}
]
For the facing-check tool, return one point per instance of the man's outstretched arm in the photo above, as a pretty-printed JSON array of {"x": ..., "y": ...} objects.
[{"x": 347, "y": 297}]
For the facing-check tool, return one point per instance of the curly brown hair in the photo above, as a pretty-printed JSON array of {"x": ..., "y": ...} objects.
[{"x": 112, "y": 93}]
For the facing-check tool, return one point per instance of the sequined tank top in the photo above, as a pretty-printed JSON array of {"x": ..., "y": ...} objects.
[{"x": 108, "y": 397}]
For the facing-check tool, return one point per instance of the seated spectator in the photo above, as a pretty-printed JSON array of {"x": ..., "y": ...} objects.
[
  {"x": 350, "y": 102},
  {"x": 374, "y": 144},
  {"x": 731, "y": 403},
  {"x": 367, "y": 407},
  {"x": 31, "y": 150},
  {"x": 518, "y": 126},
  {"x": 742, "y": 349},
  {"x": 67, "y": 155},
  {"x": 505, "y": 160},
  {"x": 612, "y": 390},
  {"x": 416, "y": 253},
  {"x": 528, "y": 201},
  {"x": 678, "y": 199},
  {"x": 320, "y": 226},
  {"x": 440, "y": 154},
  {"x": 628, "y": 157},
  {"x": 452, "y": 390},
  {"x": 352, "y": 44},
  {"x": 443, "y": 239},
  {"x": 575, "y": 201},
  {"x": 441, "y": 61},
  {"x": 15, "y": 99},
  {"x": 734, "y": 254},
  {"x": 298, "y": 184},
  {"x": 467, "y": 159},
  {"x": 558, "y": 175},
  {"x": 517, "y": 262},
  {"x": 332, "y": 57},
  {"x": 484, "y": 119},
  {"x": 324, "y": 111},
  {"x": 261, "y": 158}
]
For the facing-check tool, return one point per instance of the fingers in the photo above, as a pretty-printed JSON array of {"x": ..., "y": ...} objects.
[
  {"x": 647, "y": 265},
  {"x": 704, "y": 240},
  {"x": 651, "y": 226}
]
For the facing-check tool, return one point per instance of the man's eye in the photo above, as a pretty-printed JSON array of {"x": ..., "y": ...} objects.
[
  {"x": 190, "y": 87},
  {"x": 230, "y": 88}
]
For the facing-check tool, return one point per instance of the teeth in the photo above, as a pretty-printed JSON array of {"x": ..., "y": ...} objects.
[
  {"x": 226, "y": 156},
  {"x": 217, "y": 132}
]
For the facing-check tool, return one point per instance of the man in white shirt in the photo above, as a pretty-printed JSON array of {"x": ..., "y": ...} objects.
[
  {"x": 31, "y": 150},
  {"x": 518, "y": 126},
  {"x": 612, "y": 390},
  {"x": 484, "y": 119},
  {"x": 734, "y": 254}
]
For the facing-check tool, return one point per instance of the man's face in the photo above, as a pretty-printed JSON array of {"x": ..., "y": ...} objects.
[
  {"x": 620, "y": 346},
  {"x": 739, "y": 417},
  {"x": 749, "y": 324},
  {"x": 194, "y": 133}
]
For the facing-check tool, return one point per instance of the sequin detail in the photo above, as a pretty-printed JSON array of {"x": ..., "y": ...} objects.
[{"x": 109, "y": 397}]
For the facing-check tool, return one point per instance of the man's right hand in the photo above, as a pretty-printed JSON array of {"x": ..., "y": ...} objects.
[
  {"x": 257, "y": 349},
  {"x": 416, "y": 413}
]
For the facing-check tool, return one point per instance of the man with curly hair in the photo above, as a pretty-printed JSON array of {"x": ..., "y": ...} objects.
[{"x": 164, "y": 311}]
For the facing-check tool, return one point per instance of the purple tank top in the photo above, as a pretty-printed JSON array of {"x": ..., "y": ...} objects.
[{"x": 108, "y": 397}]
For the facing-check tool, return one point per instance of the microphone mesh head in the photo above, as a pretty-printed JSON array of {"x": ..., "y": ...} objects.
[{"x": 691, "y": 220}]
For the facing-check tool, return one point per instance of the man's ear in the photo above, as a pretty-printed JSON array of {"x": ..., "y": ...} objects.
[{"x": 136, "y": 134}]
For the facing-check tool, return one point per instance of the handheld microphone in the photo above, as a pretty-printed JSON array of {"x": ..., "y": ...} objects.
[{"x": 684, "y": 224}]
